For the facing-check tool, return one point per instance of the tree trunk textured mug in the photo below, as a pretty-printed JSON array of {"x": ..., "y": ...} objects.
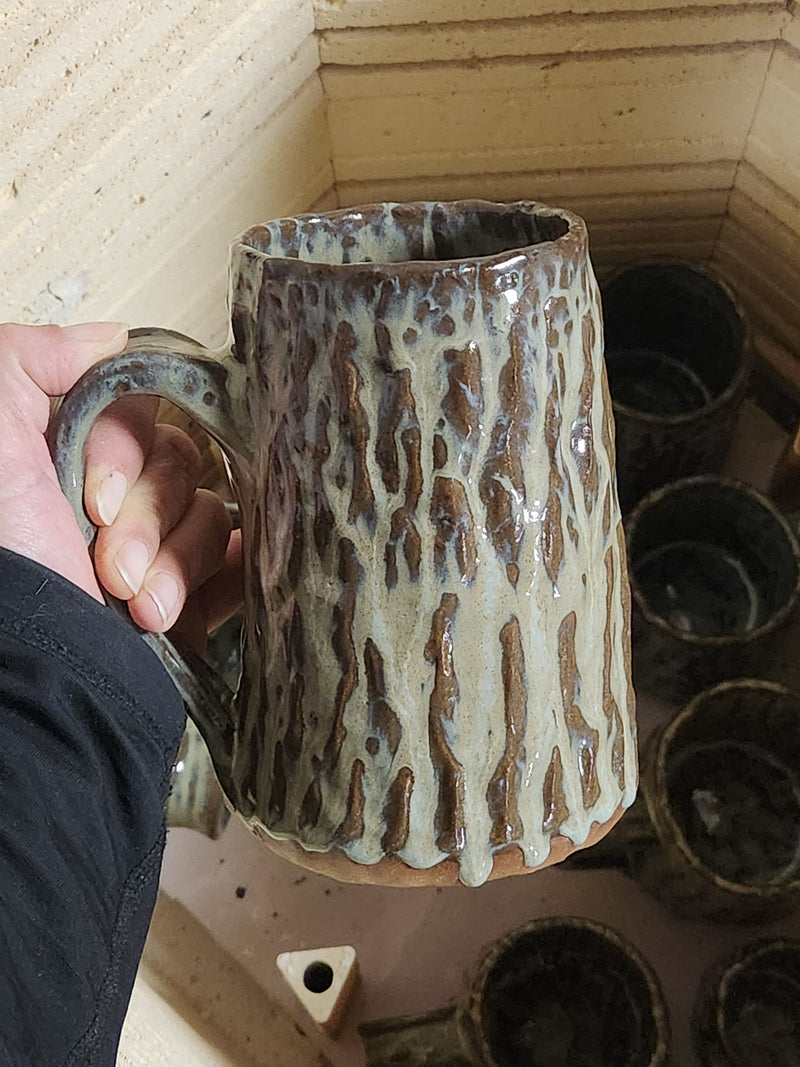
[{"x": 414, "y": 410}]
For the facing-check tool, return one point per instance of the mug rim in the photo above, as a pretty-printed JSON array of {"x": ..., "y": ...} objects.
[
  {"x": 662, "y": 810},
  {"x": 738, "y": 381},
  {"x": 576, "y": 234},
  {"x": 774, "y": 622}
]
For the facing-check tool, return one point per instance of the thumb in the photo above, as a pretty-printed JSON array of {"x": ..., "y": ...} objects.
[
  {"x": 37, "y": 362},
  {"x": 54, "y": 357}
]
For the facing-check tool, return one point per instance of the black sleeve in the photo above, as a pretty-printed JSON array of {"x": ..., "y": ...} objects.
[{"x": 89, "y": 726}]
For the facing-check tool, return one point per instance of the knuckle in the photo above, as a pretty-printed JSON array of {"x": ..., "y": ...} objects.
[
  {"x": 214, "y": 511},
  {"x": 177, "y": 452},
  {"x": 123, "y": 433}
]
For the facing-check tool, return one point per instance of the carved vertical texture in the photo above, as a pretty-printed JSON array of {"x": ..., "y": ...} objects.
[
  {"x": 436, "y": 656},
  {"x": 449, "y": 817},
  {"x": 504, "y": 786}
]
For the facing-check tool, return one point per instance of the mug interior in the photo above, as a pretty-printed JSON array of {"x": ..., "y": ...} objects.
[
  {"x": 711, "y": 560},
  {"x": 759, "y": 1014},
  {"x": 674, "y": 338},
  {"x": 730, "y": 780},
  {"x": 567, "y": 993},
  {"x": 400, "y": 233}
]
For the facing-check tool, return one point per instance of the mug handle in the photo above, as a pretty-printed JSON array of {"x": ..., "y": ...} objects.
[{"x": 169, "y": 365}]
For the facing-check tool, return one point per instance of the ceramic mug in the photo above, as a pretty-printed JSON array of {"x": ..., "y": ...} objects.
[
  {"x": 715, "y": 574},
  {"x": 715, "y": 831},
  {"x": 678, "y": 360},
  {"x": 748, "y": 1011},
  {"x": 414, "y": 411},
  {"x": 556, "y": 993}
]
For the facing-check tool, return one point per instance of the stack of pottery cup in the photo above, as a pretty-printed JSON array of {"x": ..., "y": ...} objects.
[
  {"x": 715, "y": 575},
  {"x": 715, "y": 569}
]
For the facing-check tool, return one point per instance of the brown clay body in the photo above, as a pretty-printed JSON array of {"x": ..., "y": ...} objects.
[{"x": 391, "y": 871}]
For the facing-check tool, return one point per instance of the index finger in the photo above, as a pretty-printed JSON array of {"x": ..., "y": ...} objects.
[{"x": 115, "y": 454}]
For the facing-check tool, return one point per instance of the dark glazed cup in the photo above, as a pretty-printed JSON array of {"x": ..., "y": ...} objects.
[
  {"x": 678, "y": 361},
  {"x": 555, "y": 993},
  {"x": 748, "y": 1010},
  {"x": 715, "y": 572},
  {"x": 715, "y": 831},
  {"x": 415, "y": 415}
]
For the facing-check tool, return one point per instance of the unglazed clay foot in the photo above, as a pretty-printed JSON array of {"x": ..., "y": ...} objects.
[{"x": 391, "y": 871}]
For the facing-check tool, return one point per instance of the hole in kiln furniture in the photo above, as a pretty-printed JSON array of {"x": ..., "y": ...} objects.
[
  {"x": 318, "y": 976},
  {"x": 323, "y": 980}
]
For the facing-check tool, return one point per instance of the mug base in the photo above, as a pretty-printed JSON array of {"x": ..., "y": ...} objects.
[{"x": 392, "y": 871}]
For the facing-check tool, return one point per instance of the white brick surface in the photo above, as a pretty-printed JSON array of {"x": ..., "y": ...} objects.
[
  {"x": 344, "y": 13},
  {"x": 551, "y": 34},
  {"x": 138, "y": 138}
]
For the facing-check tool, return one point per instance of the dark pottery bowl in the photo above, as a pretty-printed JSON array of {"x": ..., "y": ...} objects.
[
  {"x": 715, "y": 830},
  {"x": 678, "y": 361},
  {"x": 556, "y": 992},
  {"x": 566, "y": 991},
  {"x": 748, "y": 1011},
  {"x": 715, "y": 572}
]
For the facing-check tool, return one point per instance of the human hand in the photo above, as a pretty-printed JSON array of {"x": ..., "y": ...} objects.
[{"x": 160, "y": 538}]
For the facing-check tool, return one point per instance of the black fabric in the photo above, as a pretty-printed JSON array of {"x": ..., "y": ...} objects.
[{"x": 89, "y": 726}]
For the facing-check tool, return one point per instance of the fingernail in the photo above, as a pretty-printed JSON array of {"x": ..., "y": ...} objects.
[
  {"x": 131, "y": 562},
  {"x": 164, "y": 590},
  {"x": 96, "y": 332},
  {"x": 110, "y": 496}
]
